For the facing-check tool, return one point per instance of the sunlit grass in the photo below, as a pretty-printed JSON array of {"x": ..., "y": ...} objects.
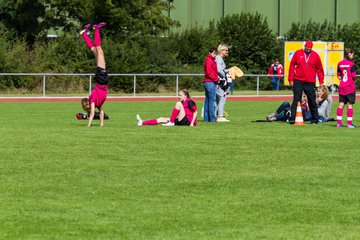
[{"x": 237, "y": 180}]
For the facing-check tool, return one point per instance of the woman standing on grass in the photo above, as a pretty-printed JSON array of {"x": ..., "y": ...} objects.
[
  {"x": 99, "y": 93},
  {"x": 346, "y": 72},
  {"x": 210, "y": 81},
  {"x": 183, "y": 114}
]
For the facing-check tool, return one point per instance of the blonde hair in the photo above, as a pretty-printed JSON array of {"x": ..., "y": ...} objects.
[
  {"x": 222, "y": 46},
  {"x": 325, "y": 91}
]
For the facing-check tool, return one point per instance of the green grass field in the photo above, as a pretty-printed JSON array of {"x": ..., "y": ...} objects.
[{"x": 238, "y": 180}]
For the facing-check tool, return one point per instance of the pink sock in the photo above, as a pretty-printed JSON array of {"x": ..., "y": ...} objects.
[
  {"x": 350, "y": 113},
  {"x": 97, "y": 39},
  {"x": 150, "y": 122},
  {"x": 87, "y": 39},
  {"x": 174, "y": 114},
  {"x": 339, "y": 113}
]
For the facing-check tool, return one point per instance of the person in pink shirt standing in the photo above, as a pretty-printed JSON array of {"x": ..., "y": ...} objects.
[
  {"x": 305, "y": 66},
  {"x": 183, "y": 114},
  {"x": 99, "y": 93},
  {"x": 346, "y": 72}
]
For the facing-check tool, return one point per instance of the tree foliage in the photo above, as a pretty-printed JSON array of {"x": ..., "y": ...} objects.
[
  {"x": 250, "y": 38},
  {"x": 327, "y": 32},
  {"x": 126, "y": 18},
  {"x": 193, "y": 44},
  {"x": 137, "y": 40}
]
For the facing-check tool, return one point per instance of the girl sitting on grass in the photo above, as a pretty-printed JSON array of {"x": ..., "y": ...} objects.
[
  {"x": 183, "y": 114},
  {"x": 323, "y": 102}
]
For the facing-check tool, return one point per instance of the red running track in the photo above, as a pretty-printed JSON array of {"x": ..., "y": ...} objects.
[{"x": 146, "y": 99}]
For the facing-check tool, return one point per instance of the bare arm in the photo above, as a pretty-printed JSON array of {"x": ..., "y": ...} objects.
[
  {"x": 193, "y": 120},
  {"x": 101, "y": 117},
  {"x": 92, "y": 113}
]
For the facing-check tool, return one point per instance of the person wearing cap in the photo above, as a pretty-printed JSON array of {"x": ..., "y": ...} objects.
[
  {"x": 305, "y": 66},
  {"x": 223, "y": 51},
  {"x": 210, "y": 81}
]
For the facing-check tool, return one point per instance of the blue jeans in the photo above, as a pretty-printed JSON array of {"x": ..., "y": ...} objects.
[
  {"x": 209, "y": 104},
  {"x": 280, "y": 111},
  {"x": 276, "y": 83},
  {"x": 232, "y": 88}
]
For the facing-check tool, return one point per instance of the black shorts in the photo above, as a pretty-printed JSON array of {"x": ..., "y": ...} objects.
[
  {"x": 101, "y": 76},
  {"x": 350, "y": 98},
  {"x": 182, "y": 122}
]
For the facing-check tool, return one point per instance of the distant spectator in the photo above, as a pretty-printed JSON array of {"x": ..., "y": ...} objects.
[{"x": 276, "y": 69}]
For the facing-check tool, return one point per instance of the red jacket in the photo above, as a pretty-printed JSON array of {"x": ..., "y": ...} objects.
[
  {"x": 305, "y": 67},
  {"x": 210, "y": 69},
  {"x": 279, "y": 70}
]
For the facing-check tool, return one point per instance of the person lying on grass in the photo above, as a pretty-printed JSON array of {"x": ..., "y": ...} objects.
[
  {"x": 284, "y": 111},
  {"x": 183, "y": 114}
]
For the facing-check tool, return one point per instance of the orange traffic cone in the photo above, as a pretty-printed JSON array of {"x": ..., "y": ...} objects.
[{"x": 299, "y": 120}]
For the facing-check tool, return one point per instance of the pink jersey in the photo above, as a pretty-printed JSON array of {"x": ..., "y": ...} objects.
[
  {"x": 190, "y": 107},
  {"x": 347, "y": 71},
  {"x": 98, "y": 95}
]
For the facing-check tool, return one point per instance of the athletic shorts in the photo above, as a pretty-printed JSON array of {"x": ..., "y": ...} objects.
[
  {"x": 101, "y": 76},
  {"x": 182, "y": 122},
  {"x": 350, "y": 98}
]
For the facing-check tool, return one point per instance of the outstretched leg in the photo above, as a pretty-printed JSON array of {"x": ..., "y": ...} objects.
[
  {"x": 86, "y": 37},
  {"x": 140, "y": 122},
  {"x": 99, "y": 55}
]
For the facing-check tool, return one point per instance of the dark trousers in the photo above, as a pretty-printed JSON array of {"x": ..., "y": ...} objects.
[{"x": 309, "y": 90}]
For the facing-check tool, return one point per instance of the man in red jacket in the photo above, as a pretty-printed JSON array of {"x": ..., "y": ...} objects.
[
  {"x": 305, "y": 66},
  {"x": 277, "y": 70}
]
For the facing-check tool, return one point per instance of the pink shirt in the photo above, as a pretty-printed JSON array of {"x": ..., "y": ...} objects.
[
  {"x": 190, "y": 107},
  {"x": 98, "y": 95},
  {"x": 347, "y": 71}
]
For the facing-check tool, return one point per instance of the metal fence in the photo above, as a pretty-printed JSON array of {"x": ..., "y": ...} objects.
[{"x": 177, "y": 78}]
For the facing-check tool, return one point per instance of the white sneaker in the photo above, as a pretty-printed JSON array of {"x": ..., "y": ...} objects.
[
  {"x": 138, "y": 119},
  {"x": 222, "y": 119},
  {"x": 169, "y": 124}
]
